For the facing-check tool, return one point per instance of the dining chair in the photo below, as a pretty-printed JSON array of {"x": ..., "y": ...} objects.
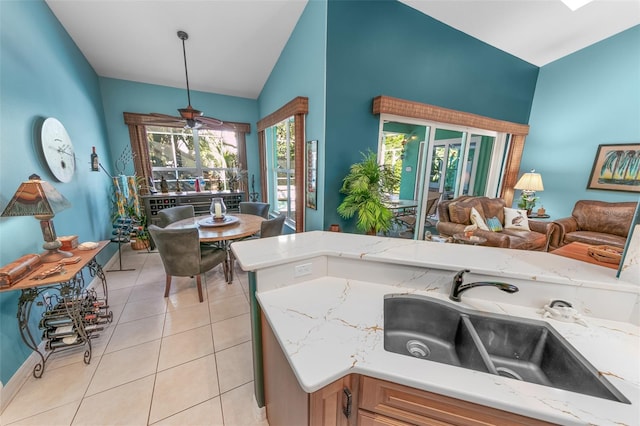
[
  {"x": 174, "y": 214},
  {"x": 183, "y": 256},
  {"x": 272, "y": 227},
  {"x": 255, "y": 208},
  {"x": 268, "y": 228}
]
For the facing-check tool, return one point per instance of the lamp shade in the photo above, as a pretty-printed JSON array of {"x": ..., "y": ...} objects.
[
  {"x": 36, "y": 197},
  {"x": 530, "y": 182}
]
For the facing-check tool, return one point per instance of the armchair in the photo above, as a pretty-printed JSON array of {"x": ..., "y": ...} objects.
[{"x": 594, "y": 222}]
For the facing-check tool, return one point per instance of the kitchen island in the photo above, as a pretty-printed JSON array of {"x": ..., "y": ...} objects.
[{"x": 322, "y": 296}]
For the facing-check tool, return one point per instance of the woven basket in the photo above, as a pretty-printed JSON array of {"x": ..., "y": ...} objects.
[
  {"x": 139, "y": 244},
  {"x": 607, "y": 254}
]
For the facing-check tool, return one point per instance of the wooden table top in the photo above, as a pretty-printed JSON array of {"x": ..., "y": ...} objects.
[
  {"x": 247, "y": 224},
  {"x": 578, "y": 251},
  {"x": 68, "y": 271}
]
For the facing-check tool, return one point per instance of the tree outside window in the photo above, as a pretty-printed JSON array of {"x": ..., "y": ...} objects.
[{"x": 187, "y": 154}]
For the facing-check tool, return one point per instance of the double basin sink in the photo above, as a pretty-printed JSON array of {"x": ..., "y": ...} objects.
[{"x": 520, "y": 349}]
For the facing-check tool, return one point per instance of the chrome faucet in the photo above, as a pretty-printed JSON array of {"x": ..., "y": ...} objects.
[{"x": 458, "y": 287}]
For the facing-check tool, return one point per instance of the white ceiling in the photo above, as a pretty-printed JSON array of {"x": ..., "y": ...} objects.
[
  {"x": 537, "y": 31},
  {"x": 233, "y": 45}
]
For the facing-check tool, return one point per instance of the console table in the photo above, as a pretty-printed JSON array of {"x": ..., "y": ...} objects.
[{"x": 72, "y": 314}]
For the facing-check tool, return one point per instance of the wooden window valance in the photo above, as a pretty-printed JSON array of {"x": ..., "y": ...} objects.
[{"x": 404, "y": 108}]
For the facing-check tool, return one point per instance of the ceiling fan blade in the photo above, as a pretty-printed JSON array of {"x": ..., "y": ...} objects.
[{"x": 210, "y": 121}]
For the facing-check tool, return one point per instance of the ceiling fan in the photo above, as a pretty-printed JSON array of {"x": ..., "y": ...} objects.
[{"x": 189, "y": 117}]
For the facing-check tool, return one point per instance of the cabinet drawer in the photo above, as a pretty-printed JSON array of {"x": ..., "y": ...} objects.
[
  {"x": 423, "y": 408},
  {"x": 366, "y": 418}
]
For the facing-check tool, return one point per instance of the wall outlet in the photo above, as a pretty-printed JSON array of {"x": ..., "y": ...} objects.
[{"x": 301, "y": 270}]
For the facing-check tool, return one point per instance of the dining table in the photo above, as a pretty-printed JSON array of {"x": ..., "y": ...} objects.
[{"x": 234, "y": 227}]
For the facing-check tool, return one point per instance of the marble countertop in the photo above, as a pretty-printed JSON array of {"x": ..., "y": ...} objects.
[
  {"x": 329, "y": 327},
  {"x": 529, "y": 265},
  {"x": 330, "y": 323}
]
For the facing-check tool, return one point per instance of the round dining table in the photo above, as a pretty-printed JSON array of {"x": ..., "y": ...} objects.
[
  {"x": 244, "y": 226},
  {"x": 235, "y": 227}
]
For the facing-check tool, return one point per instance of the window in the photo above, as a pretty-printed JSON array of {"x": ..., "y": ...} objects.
[
  {"x": 289, "y": 161},
  {"x": 281, "y": 167},
  {"x": 217, "y": 154},
  {"x": 185, "y": 154}
]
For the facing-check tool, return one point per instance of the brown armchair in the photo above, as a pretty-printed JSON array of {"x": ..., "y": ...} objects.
[
  {"x": 594, "y": 222},
  {"x": 455, "y": 215}
]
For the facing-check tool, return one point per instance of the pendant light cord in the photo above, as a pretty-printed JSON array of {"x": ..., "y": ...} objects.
[{"x": 183, "y": 36}]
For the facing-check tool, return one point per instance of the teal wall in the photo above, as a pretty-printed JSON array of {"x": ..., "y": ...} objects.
[
  {"x": 300, "y": 71},
  {"x": 127, "y": 96},
  {"x": 43, "y": 74},
  {"x": 589, "y": 98},
  {"x": 387, "y": 48}
]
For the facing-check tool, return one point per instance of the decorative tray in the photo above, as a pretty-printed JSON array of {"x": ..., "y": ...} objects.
[
  {"x": 608, "y": 254},
  {"x": 210, "y": 223}
]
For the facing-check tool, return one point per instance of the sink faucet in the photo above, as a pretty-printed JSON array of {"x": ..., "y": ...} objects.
[{"x": 458, "y": 287}]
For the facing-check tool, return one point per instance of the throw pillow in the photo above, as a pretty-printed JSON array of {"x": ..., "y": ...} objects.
[
  {"x": 494, "y": 224},
  {"x": 478, "y": 220},
  {"x": 516, "y": 219}
]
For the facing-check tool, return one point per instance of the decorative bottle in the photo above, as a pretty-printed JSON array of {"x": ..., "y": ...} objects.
[{"x": 95, "y": 165}]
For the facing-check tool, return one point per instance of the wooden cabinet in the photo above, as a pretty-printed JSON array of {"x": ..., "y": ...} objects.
[
  {"x": 373, "y": 402},
  {"x": 386, "y": 403},
  {"x": 201, "y": 202}
]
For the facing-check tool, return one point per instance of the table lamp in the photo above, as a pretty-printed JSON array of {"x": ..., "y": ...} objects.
[
  {"x": 38, "y": 198},
  {"x": 529, "y": 183}
]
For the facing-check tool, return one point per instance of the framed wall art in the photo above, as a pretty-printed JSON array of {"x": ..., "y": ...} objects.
[
  {"x": 311, "y": 188},
  {"x": 616, "y": 168}
]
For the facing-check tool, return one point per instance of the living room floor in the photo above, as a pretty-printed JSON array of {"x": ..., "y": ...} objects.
[{"x": 171, "y": 361}]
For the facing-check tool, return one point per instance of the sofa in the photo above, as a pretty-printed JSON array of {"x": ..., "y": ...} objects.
[
  {"x": 455, "y": 215},
  {"x": 594, "y": 222}
]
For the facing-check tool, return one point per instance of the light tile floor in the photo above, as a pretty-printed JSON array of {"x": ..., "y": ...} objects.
[{"x": 170, "y": 361}]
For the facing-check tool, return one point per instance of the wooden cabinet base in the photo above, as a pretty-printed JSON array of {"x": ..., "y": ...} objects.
[{"x": 414, "y": 406}]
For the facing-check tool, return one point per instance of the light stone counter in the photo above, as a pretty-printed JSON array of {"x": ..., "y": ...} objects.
[{"x": 329, "y": 321}]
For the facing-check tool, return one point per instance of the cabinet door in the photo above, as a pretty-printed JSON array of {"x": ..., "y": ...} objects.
[
  {"x": 425, "y": 408},
  {"x": 328, "y": 405}
]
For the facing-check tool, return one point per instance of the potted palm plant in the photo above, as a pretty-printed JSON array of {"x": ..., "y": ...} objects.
[{"x": 367, "y": 188}]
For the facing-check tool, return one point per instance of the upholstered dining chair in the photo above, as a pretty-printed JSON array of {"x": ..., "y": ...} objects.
[
  {"x": 268, "y": 228},
  {"x": 272, "y": 227},
  {"x": 183, "y": 256},
  {"x": 255, "y": 208},
  {"x": 174, "y": 214}
]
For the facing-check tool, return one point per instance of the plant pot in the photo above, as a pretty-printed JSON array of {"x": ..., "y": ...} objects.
[{"x": 139, "y": 244}]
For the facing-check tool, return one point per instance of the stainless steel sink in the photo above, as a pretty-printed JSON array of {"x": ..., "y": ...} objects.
[{"x": 520, "y": 349}]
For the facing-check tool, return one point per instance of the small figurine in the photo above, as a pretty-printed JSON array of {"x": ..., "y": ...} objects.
[{"x": 164, "y": 187}]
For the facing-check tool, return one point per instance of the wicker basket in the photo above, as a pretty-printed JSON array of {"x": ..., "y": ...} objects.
[
  {"x": 139, "y": 244},
  {"x": 607, "y": 254}
]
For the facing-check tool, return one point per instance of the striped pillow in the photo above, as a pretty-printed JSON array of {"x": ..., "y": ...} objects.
[{"x": 494, "y": 224}]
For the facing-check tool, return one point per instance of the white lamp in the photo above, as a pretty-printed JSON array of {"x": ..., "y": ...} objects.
[{"x": 529, "y": 183}]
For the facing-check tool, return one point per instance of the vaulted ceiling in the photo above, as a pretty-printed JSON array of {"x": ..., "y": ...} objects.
[{"x": 233, "y": 45}]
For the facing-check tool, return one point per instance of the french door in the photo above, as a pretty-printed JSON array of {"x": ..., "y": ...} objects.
[{"x": 451, "y": 161}]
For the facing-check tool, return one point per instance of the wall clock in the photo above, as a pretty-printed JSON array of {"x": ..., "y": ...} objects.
[{"x": 58, "y": 150}]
